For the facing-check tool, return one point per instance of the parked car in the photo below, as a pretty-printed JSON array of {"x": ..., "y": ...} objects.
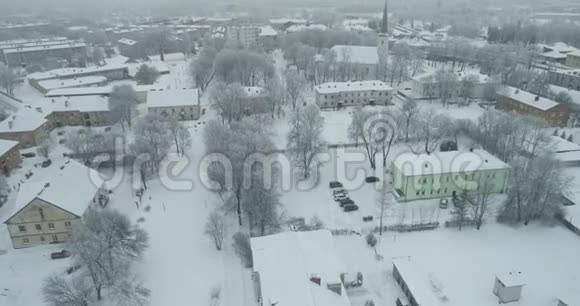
[
  {"x": 340, "y": 197},
  {"x": 46, "y": 163},
  {"x": 335, "y": 184},
  {"x": 28, "y": 155},
  {"x": 345, "y": 202},
  {"x": 349, "y": 208},
  {"x": 60, "y": 255},
  {"x": 339, "y": 191},
  {"x": 372, "y": 179},
  {"x": 443, "y": 203}
]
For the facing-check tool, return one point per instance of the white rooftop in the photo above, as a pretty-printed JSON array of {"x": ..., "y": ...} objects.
[
  {"x": 103, "y": 90},
  {"x": 169, "y": 57},
  {"x": 411, "y": 164},
  {"x": 45, "y": 47},
  {"x": 418, "y": 281},
  {"x": 171, "y": 98},
  {"x": 81, "y": 104},
  {"x": 356, "y": 54},
  {"x": 76, "y": 82},
  {"x": 288, "y": 20},
  {"x": 267, "y": 31},
  {"x": 511, "y": 279},
  {"x": 554, "y": 54},
  {"x": 528, "y": 98},
  {"x": 6, "y": 145},
  {"x": 58, "y": 191},
  {"x": 254, "y": 91},
  {"x": 286, "y": 262},
  {"x": 69, "y": 72},
  {"x": 127, "y": 42},
  {"x": 304, "y": 27},
  {"x": 24, "y": 120},
  {"x": 336, "y": 87}
]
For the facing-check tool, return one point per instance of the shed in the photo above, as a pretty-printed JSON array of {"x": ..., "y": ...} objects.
[{"x": 508, "y": 286}]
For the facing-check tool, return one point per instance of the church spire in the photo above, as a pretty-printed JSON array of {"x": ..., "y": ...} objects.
[{"x": 385, "y": 22}]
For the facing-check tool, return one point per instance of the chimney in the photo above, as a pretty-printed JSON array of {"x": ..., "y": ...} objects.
[
  {"x": 517, "y": 91},
  {"x": 66, "y": 103},
  {"x": 10, "y": 124},
  {"x": 470, "y": 149},
  {"x": 537, "y": 98},
  {"x": 316, "y": 279},
  {"x": 336, "y": 288}
]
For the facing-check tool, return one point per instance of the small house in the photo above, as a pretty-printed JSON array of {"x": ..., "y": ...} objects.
[{"x": 508, "y": 287}]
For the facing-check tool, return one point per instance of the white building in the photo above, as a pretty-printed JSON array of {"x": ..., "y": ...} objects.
[
  {"x": 182, "y": 104},
  {"x": 244, "y": 35},
  {"x": 339, "y": 94},
  {"x": 298, "y": 268},
  {"x": 427, "y": 86}
]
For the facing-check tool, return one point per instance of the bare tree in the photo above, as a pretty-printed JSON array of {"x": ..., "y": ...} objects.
[
  {"x": 305, "y": 137},
  {"x": 228, "y": 100},
  {"x": 98, "y": 56},
  {"x": 152, "y": 138},
  {"x": 460, "y": 213},
  {"x": 87, "y": 143},
  {"x": 276, "y": 96},
  {"x": 261, "y": 206},
  {"x": 58, "y": 291},
  {"x": 7, "y": 79},
  {"x": 157, "y": 42},
  {"x": 384, "y": 201},
  {"x": 430, "y": 129},
  {"x": 122, "y": 103},
  {"x": 146, "y": 75},
  {"x": 479, "y": 199},
  {"x": 202, "y": 69},
  {"x": 180, "y": 134},
  {"x": 44, "y": 149},
  {"x": 366, "y": 126},
  {"x": 215, "y": 228},
  {"x": 466, "y": 86},
  {"x": 409, "y": 114},
  {"x": 243, "y": 248},
  {"x": 295, "y": 85},
  {"x": 447, "y": 85}
]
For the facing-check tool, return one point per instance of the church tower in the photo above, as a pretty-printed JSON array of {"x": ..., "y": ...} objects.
[{"x": 383, "y": 36}]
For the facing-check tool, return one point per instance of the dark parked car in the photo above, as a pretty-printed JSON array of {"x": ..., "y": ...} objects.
[
  {"x": 46, "y": 163},
  {"x": 29, "y": 155},
  {"x": 335, "y": 184},
  {"x": 345, "y": 202},
  {"x": 348, "y": 208},
  {"x": 372, "y": 179},
  {"x": 60, "y": 255}
]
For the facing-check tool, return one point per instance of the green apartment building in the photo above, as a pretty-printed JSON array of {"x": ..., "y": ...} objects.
[{"x": 444, "y": 174}]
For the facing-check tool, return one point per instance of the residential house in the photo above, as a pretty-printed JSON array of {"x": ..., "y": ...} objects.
[
  {"x": 29, "y": 127},
  {"x": 89, "y": 111},
  {"x": 182, "y": 104},
  {"x": 569, "y": 79},
  {"x": 74, "y": 52},
  {"x": 573, "y": 59},
  {"x": 428, "y": 86},
  {"x": 415, "y": 284},
  {"x": 46, "y": 211},
  {"x": 511, "y": 99},
  {"x": 339, "y": 94},
  {"x": 446, "y": 174},
  {"x": 298, "y": 268},
  {"x": 573, "y": 107},
  {"x": 9, "y": 156}
]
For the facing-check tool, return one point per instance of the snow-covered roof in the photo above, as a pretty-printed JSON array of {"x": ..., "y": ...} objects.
[
  {"x": 81, "y": 104},
  {"x": 24, "y": 120},
  {"x": 554, "y": 55},
  {"x": 169, "y": 57},
  {"x": 306, "y": 27},
  {"x": 511, "y": 279},
  {"x": 286, "y": 262},
  {"x": 127, "y": 42},
  {"x": 172, "y": 98},
  {"x": 288, "y": 20},
  {"x": 357, "y": 28},
  {"x": 56, "y": 189},
  {"x": 117, "y": 60},
  {"x": 336, "y": 87},
  {"x": 267, "y": 31},
  {"x": 430, "y": 76},
  {"x": 71, "y": 72},
  {"x": 34, "y": 43},
  {"x": 418, "y": 282},
  {"x": 356, "y": 54},
  {"x": 575, "y": 53},
  {"x": 560, "y": 47},
  {"x": 45, "y": 47},
  {"x": 7, "y": 145},
  {"x": 411, "y": 164},
  {"x": 76, "y": 82},
  {"x": 90, "y": 91},
  {"x": 528, "y": 98}
]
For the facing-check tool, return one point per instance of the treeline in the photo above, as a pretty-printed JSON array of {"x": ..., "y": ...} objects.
[{"x": 533, "y": 33}]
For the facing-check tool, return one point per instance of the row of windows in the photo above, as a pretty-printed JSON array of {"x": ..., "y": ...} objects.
[
  {"x": 38, "y": 227},
  {"x": 42, "y": 239},
  {"x": 466, "y": 177},
  {"x": 380, "y": 94}
]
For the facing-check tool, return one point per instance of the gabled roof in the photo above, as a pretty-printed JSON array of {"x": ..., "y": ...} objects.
[
  {"x": 69, "y": 188},
  {"x": 286, "y": 262},
  {"x": 172, "y": 98},
  {"x": 528, "y": 98}
]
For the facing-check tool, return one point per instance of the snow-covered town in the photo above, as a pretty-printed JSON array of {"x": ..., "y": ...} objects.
[{"x": 257, "y": 153}]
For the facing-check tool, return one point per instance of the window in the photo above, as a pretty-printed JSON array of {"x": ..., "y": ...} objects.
[
  {"x": 51, "y": 226},
  {"x": 67, "y": 224},
  {"x": 42, "y": 239},
  {"x": 38, "y": 227},
  {"x": 22, "y": 228},
  {"x": 54, "y": 238},
  {"x": 417, "y": 192},
  {"x": 445, "y": 191},
  {"x": 423, "y": 193},
  {"x": 25, "y": 240}
]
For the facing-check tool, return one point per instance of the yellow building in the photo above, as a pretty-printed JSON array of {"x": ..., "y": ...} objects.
[{"x": 46, "y": 211}]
